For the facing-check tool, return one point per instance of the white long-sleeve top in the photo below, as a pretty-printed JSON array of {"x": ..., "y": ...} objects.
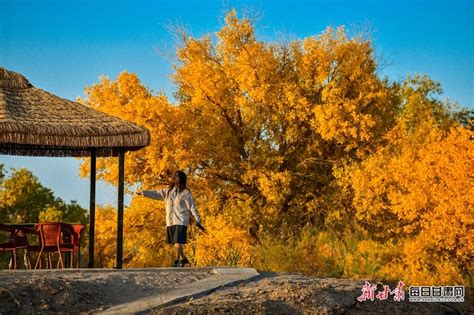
[{"x": 177, "y": 205}]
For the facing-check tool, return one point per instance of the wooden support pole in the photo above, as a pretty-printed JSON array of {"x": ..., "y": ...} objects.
[
  {"x": 92, "y": 209},
  {"x": 120, "y": 209}
]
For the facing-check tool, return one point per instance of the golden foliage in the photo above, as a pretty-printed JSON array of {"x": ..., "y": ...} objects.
[
  {"x": 224, "y": 245},
  {"x": 418, "y": 190},
  {"x": 144, "y": 231},
  {"x": 298, "y": 154}
]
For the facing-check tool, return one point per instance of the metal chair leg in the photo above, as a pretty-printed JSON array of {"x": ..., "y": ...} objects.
[
  {"x": 60, "y": 258},
  {"x": 28, "y": 259},
  {"x": 38, "y": 261},
  {"x": 50, "y": 261},
  {"x": 14, "y": 259}
]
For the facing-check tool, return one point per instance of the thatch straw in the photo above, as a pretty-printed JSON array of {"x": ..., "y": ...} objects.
[{"x": 35, "y": 122}]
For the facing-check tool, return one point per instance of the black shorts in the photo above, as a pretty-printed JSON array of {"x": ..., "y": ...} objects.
[{"x": 176, "y": 234}]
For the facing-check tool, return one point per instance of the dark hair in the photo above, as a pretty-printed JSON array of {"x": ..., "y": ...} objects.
[{"x": 182, "y": 181}]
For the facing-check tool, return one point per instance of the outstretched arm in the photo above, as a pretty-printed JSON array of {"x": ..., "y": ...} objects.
[{"x": 154, "y": 194}]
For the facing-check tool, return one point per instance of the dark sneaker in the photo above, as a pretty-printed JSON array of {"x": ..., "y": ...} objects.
[
  {"x": 176, "y": 263},
  {"x": 183, "y": 262}
]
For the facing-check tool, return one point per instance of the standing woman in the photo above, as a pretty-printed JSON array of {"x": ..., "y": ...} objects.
[{"x": 178, "y": 203}]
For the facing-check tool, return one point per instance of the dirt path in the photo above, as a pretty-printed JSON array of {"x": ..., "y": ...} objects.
[
  {"x": 69, "y": 292},
  {"x": 74, "y": 292},
  {"x": 286, "y": 293}
]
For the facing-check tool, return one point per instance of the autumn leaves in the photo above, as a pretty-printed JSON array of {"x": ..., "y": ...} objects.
[{"x": 280, "y": 139}]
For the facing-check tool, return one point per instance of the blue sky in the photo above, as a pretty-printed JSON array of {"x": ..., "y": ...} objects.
[{"x": 62, "y": 46}]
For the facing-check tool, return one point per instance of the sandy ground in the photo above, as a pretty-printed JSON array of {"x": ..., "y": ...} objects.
[
  {"x": 73, "y": 292},
  {"x": 82, "y": 292},
  {"x": 286, "y": 293}
]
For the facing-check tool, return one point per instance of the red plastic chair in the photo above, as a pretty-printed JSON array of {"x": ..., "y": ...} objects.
[
  {"x": 78, "y": 230},
  {"x": 51, "y": 241},
  {"x": 21, "y": 242},
  {"x": 18, "y": 240}
]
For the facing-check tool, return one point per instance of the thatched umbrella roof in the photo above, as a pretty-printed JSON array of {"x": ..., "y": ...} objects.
[{"x": 36, "y": 123}]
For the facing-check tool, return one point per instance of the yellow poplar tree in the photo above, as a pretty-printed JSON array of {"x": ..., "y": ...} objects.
[
  {"x": 418, "y": 191},
  {"x": 269, "y": 120},
  {"x": 258, "y": 126},
  {"x": 277, "y": 138}
]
